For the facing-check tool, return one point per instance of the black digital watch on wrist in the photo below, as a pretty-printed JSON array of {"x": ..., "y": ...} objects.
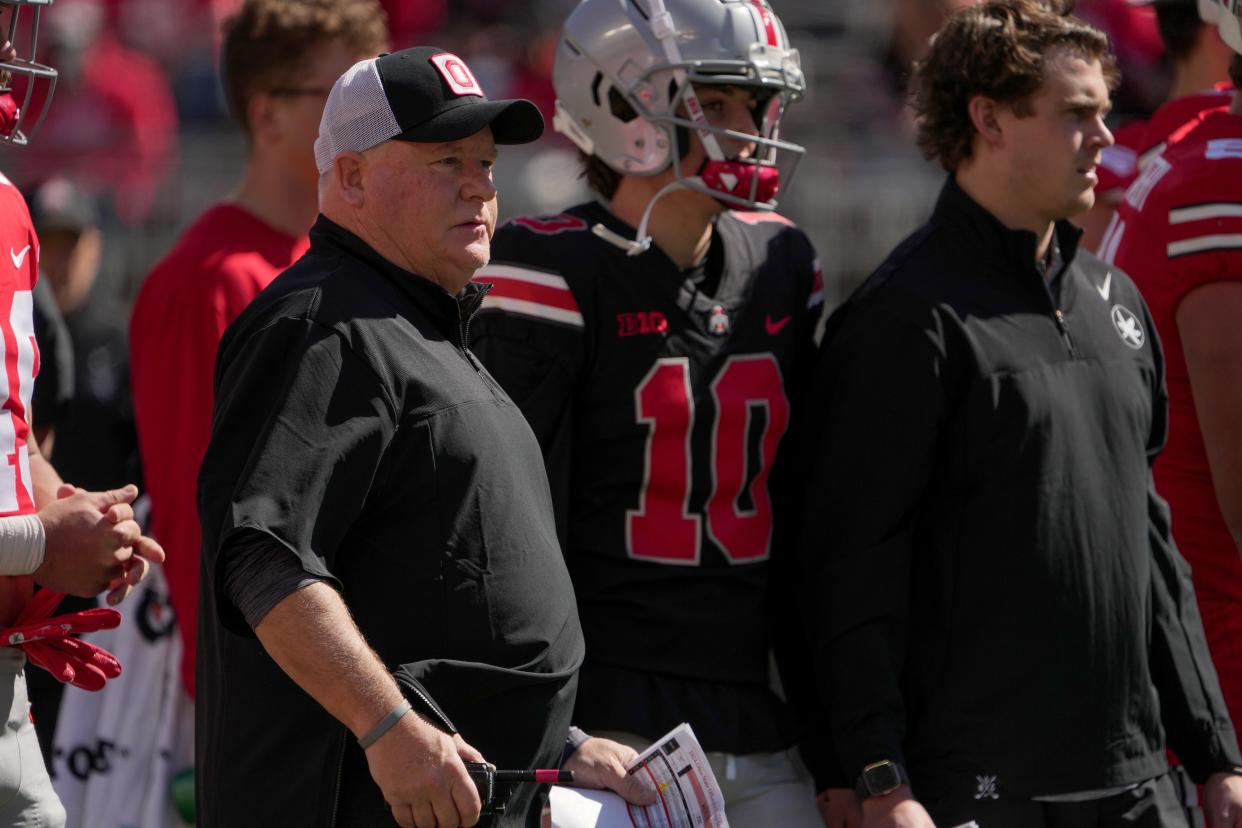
[{"x": 880, "y": 778}]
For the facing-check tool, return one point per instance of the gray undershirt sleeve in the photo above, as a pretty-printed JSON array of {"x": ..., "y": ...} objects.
[{"x": 259, "y": 573}]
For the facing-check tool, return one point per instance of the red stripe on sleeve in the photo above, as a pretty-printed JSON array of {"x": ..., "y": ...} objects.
[{"x": 507, "y": 288}]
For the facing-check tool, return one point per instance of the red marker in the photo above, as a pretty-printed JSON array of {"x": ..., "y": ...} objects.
[{"x": 542, "y": 776}]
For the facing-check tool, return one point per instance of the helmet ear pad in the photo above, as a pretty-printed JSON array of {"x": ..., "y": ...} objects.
[{"x": 639, "y": 147}]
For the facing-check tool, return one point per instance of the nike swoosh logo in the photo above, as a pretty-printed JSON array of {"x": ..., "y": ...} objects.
[
  {"x": 1106, "y": 287},
  {"x": 774, "y": 327},
  {"x": 18, "y": 258}
]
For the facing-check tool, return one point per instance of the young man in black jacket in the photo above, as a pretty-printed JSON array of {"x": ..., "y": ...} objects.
[{"x": 1005, "y": 628}]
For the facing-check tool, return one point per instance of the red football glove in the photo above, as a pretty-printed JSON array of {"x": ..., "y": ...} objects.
[
  {"x": 74, "y": 661},
  {"x": 47, "y": 642}
]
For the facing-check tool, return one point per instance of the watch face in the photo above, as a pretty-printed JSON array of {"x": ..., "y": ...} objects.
[{"x": 881, "y": 778}]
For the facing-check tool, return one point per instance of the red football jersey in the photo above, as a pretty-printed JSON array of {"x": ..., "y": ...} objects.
[
  {"x": 1180, "y": 227},
  {"x": 1137, "y": 141},
  {"x": 19, "y": 262},
  {"x": 1176, "y": 118},
  {"x": 220, "y": 263}
]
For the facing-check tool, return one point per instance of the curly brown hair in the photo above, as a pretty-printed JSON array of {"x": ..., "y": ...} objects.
[
  {"x": 268, "y": 43},
  {"x": 997, "y": 49}
]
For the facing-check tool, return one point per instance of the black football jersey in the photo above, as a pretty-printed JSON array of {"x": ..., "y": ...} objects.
[{"x": 660, "y": 401}]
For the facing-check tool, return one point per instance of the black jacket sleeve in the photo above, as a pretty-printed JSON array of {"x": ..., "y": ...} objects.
[
  {"x": 1196, "y": 720},
  {"x": 879, "y": 405},
  {"x": 300, "y": 430}
]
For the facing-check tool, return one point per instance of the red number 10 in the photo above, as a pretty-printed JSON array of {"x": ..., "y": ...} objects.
[{"x": 662, "y": 528}]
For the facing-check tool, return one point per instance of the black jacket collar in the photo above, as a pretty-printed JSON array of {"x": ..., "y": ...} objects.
[
  {"x": 448, "y": 310},
  {"x": 989, "y": 239}
]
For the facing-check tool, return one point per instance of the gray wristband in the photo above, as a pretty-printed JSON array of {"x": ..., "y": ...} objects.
[{"x": 385, "y": 724}]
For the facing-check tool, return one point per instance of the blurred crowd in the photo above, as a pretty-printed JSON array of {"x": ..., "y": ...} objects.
[{"x": 157, "y": 148}]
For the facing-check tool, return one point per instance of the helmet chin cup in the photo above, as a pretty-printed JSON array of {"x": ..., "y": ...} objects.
[
  {"x": 746, "y": 181},
  {"x": 9, "y": 114}
]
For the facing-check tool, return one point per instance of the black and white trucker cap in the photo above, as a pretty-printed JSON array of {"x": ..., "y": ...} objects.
[{"x": 420, "y": 94}]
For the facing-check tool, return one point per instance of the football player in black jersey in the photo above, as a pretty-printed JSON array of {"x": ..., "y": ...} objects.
[{"x": 654, "y": 342}]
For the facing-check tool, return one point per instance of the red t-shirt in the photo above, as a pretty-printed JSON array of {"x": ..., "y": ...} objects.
[
  {"x": 19, "y": 264},
  {"x": 1180, "y": 227},
  {"x": 219, "y": 264}
]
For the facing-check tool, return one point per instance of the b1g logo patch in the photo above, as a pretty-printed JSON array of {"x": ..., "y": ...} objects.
[
  {"x": 457, "y": 74},
  {"x": 1128, "y": 327}
]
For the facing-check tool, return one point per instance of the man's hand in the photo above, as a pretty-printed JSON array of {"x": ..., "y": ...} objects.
[
  {"x": 91, "y": 540},
  {"x": 421, "y": 773},
  {"x": 898, "y": 809},
  {"x": 1222, "y": 800},
  {"x": 601, "y": 764},
  {"x": 839, "y": 808}
]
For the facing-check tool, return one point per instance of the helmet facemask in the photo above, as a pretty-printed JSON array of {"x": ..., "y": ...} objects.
[
  {"x": 749, "y": 179},
  {"x": 26, "y": 86}
]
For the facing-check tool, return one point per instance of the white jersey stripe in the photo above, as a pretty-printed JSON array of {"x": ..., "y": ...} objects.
[
  {"x": 535, "y": 309},
  {"x": 1154, "y": 152},
  {"x": 522, "y": 274},
  {"x": 1197, "y": 245},
  {"x": 1113, "y": 240},
  {"x": 1224, "y": 209}
]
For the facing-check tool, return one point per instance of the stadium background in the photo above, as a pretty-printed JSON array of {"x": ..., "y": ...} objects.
[{"x": 139, "y": 118}]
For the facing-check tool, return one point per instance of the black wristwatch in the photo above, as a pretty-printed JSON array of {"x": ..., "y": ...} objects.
[{"x": 880, "y": 778}]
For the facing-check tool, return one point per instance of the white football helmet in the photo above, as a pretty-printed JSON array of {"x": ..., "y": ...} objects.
[
  {"x": 1229, "y": 22},
  {"x": 39, "y": 83},
  {"x": 625, "y": 67}
]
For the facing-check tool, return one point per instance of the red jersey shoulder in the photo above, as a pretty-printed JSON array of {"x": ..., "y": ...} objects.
[
  {"x": 1190, "y": 223},
  {"x": 19, "y": 353},
  {"x": 19, "y": 246},
  {"x": 1174, "y": 119},
  {"x": 1204, "y": 198},
  {"x": 1119, "y": 162}
]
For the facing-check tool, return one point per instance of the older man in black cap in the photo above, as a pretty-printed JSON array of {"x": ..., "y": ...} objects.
[{"x": 374, "y": 507}]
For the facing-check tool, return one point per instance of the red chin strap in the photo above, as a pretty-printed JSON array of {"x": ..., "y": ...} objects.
[
  {"x": 9, "y": 114},
  {"x": 738, "y": 179}
]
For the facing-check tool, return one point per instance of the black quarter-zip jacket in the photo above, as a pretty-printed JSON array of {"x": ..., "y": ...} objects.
[
  {"x": 354, "y": 428},
  {"x": 996, "y": 595}
]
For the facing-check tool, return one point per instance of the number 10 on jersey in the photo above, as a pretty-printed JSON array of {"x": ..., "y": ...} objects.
[{"x": 662, "y": 528}]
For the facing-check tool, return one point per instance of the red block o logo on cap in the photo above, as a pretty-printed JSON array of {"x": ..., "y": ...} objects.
[{"x": 458, "y": 75}]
